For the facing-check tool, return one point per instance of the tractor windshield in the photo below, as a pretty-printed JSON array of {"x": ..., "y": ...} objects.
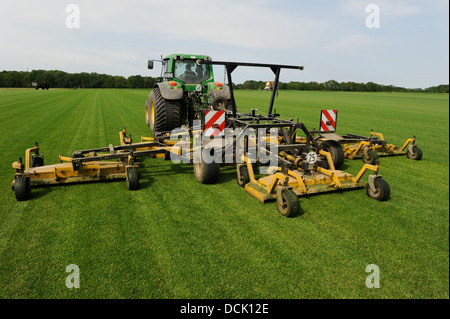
[{"x": 189, "y": 72}]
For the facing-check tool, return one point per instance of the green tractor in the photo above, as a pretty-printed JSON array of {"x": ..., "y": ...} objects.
[{"x": 188, "y": 89}]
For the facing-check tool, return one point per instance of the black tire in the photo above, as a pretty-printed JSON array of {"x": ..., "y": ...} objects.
[
  {"x": 205, "y": 173},
  {"x": 382, "y": 190},
  {"x": 336, "y": 151},
  {"x": 371, "y": 157},
  {"x": 288, "y": 205},
  {"x": 22, "y": 188},
  {"x": 133, "y": 178},
  {"x": 416, "y": 154},
  {"x": 244, "y": 176},
  {"x": 219, "y": 104},
  {"x": 161, "y": 114},
  {"x": 37, "y": 161}
]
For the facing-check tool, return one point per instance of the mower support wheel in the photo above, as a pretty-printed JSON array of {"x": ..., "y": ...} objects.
[
  {"x": 381, "y": 190},
  {"x": 288, "y": 204},
  {"x": 132, "y": 178},
  {"x": 243, "y": 177},
  {"x": 22, "y": 188},
  {"x": 370, "y": 157},
  {"x": 415, "y": 153}
]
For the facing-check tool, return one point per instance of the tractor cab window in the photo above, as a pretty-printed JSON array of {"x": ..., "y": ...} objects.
[{"x": 189, "y": 72}]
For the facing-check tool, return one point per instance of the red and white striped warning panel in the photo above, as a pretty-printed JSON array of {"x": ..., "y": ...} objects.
[
  {"x": 214, "y": 123},
  {"x": 328, "y": 120}
]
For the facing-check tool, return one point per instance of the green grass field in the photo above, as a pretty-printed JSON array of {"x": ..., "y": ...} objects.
[{"x": 176, "y": 238}]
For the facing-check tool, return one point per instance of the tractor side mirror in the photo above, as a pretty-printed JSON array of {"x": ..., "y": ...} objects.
[{"x": 150, "y": 64}]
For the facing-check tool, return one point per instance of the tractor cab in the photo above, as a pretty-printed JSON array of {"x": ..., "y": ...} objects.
[
  {"x": 184, "y": 69},
  {"x": 191, "y": 73}
]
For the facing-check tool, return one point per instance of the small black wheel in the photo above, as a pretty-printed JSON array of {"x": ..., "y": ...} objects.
[
  {"x": 382, "y": 190},
  {"x": 133, "y": 178},
  {"x": 37, "y": 161},
  {"x": 22, "y": 188},
  {"x": 371, "y": 157},
  {"x": 336, "y": 151},
  {"x": 243, "y": 178},
  {"x": 288, "y": 204},
  {"x": 205, "y": 173},
  {"x": 415, "y": 154}
]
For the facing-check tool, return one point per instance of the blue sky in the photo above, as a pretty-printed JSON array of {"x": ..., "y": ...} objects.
[{"x": 329, "y": 37}]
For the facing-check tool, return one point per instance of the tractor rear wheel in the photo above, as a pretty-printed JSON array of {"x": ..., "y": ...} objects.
[
  {"x": 336, "y": 151},
  {"x": 416, "y": 154},
  {"x": 288, "y": 204},
  {"x": 22, "y": 188},
  {"x": 382, "y": 190},
  {"x": 161, "y": 114}
]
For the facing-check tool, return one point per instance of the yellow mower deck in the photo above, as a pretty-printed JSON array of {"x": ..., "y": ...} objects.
[
  {"x": 301, "y": 182},
  {"x": 109, "y": 163},
  {"x": 64, "y": 173},
  {"x": 355, "y": 151},
  {"x": 313, "y": 184}
]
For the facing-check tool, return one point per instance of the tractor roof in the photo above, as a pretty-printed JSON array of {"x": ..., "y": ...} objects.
[{"x": 187, "y": 56}]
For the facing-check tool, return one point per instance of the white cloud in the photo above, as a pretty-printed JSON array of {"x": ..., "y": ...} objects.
[
  {"x": 248, "y": 24},
  {"x": 388, "y": 8},
  {"x": 356, "y": 45},
  {"x": 117, "y": 37}
]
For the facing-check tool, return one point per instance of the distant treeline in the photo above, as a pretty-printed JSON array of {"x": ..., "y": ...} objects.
[
  {"x": 333, "y": 85},
  {"x": 61, "y": 79}
]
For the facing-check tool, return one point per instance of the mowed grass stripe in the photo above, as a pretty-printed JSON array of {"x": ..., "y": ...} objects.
[{"x": 175, "y": 238}]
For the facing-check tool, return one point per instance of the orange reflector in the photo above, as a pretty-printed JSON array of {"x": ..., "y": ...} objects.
[
  {"x": 172, "y": 83},
  {"x": 218, "y": 84}
]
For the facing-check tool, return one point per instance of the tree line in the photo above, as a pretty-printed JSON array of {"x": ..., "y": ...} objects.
[
  {"x": 333, "y": 85},
  {"x": 61, "y": 79}
]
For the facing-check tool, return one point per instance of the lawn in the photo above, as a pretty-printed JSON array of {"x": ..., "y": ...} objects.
[{"x": 176, "y": 238}]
